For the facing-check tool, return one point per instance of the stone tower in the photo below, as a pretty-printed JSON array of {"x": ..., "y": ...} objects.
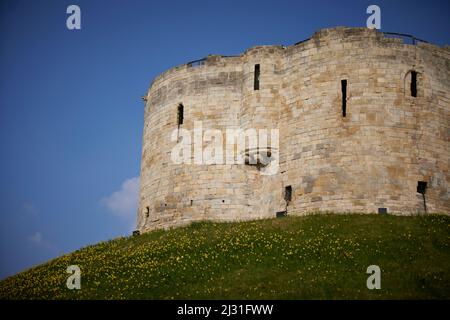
[{"x": 363, "y": 120}]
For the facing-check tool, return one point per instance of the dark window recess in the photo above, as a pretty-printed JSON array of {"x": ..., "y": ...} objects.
[
  {"x": 147, "y": 212},
  {"x": 288, "y": 193},
  {"x": 413, "y": 84},
  {"x": 281, "y": 214},
  {"x": 180, "y": 114},
  {"x": 382, "y": 210},
  {"x": 257, "y": 74},
  {"x": 192, "y": 202},
  {"x": 421, "y": 187},
  {"x": 344, "y": 97}
]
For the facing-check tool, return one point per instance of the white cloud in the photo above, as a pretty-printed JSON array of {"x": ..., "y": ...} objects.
[
  {"x": 36, "y": 238},
  {"x": 123, "y": 203}
]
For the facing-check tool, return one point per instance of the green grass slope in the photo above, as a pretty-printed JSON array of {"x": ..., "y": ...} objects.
[{"x": 312, "y": 257}]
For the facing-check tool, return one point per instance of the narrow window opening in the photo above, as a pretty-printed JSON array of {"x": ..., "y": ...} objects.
[
  {"x": 257, "y": 73},
  {"x": 180, "y": 114},
  {"x": 147, "y": 212},
  {"x": 382, "y": 210},
  {"x": 413, "y": 84},
  {"x": 422, "y": 188},
  {"x": 344, "y": 97},
  {"x": 288, "y": 193},
  {"x": 192, "y": 202}
]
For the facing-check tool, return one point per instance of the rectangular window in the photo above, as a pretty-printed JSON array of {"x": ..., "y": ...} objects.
[
  {"x": 281, "y": 214},
  {"x": 344, "y": 97},
  {"x": 180, "y": 114},
  {"x": 413, "y": 84},
  {"x": 257, "y": 73},
  {"x": 288, "y": 193},
  {"x": 421, "y": 187}
]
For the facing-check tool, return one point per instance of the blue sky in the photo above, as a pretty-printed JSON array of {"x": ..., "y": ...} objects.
[{"x": 71, "y": 116}]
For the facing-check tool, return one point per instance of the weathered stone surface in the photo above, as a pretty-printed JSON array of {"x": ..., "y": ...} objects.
[{"x": 371, "y": 158}]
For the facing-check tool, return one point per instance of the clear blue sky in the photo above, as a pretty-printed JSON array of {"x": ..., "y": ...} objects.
[{"x": 71, "y": 116}]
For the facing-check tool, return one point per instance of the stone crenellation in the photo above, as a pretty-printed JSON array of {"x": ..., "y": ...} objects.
[{"x": 392, "y": 138}]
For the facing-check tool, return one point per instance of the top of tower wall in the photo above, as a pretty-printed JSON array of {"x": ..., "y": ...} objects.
[{"x": 319, "y": 39}]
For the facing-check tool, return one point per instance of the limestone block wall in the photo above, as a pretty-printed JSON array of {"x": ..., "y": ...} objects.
[{"x": 372, "y": 158}]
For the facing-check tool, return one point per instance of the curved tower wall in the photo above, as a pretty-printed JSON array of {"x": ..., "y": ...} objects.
[{"x": 372, "y": 158}]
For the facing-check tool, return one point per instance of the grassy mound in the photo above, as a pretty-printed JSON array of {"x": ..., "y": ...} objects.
[{"x": 312, "y": 257}]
